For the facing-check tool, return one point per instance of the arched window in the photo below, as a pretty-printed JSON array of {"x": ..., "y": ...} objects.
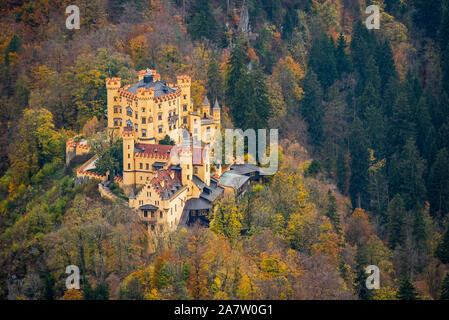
[
  {"x": 129, "y": 112},
  {"x": 129, "y": 124}
]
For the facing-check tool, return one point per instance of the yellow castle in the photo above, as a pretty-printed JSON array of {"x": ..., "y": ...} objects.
[{"x": 165, "y": 183}]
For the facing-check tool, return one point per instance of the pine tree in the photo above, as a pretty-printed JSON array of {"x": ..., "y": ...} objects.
[
  {"x": 341, "y": 57},
  {"x": 322, "y": 60},
  {"x": 406, "y": 172},
  {"x": 445, "y": 288},
  {"x": 359, "y": 165},
  {"x": 428, "y": 16},
  {"x": 442, "y": 250},
  {"x": 312, "y": 107},
  {"x": 385, "y": 63},
  {"x": 360, "y": 281},
  {"x": 396, "y": 224},
  {"x": 343, "y": 171},
  {"x": 406, "y": 289},
  {"x": 202, "y": 23},
  {"x": 401, "y": 126},
  {"x": 439, "y": 184},
  {"x": 332, "y": 213},
  {"x": 214, "y": 81}
]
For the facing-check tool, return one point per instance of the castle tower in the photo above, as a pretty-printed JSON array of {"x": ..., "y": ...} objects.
[
  {"x": 216, "y": 113},
  {"x": 112, "y": 86},
  {"x": 185, "y": 159},
  {"x": 184, "y": 82},
  {"x": 205, "y": 108},
  {"x": 129, "y": 177}
]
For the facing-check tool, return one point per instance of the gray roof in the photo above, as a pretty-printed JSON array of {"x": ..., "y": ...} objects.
[
  {"x": 216, "y": 105},
  {"x": 205, "y": 102},
  {"x": 148, "y": 207},
  {"x": 244, "y": 169},
  {"x": 197, "y": 204},
  {"x": 160, "y": 88},
  {"x": 158, "y": 164},
  {"x": 199, "y": 183},
  {"x": 233, "y": 180}
]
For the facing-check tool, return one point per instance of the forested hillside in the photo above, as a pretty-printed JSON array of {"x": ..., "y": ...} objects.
[{"x": 363, "y": 119}]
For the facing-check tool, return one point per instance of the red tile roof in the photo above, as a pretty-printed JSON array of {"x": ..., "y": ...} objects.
[{"x": 154, "y": 150}]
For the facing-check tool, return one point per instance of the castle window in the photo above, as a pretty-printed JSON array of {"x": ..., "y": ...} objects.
[
  {"x": 115, "y": 99},
  {"x": 129, "y": 156},
  {"x": 129, "y": 166},
  {"x": 129, "y": 112},
  {"x": 160, "y": 105},
  {"x": 141, "y": 166},
  {"x": 116, "y": 122},
  {"x": 144, "y": 133},
  {"x": 208, "y": 129},
  {"x": 145, "y": 214},
  {"x": 194, "y": 121},
  {"x": 115, "y": 109},
  {"x": 160, "y": 129},
  {"x": 174, "y": 125},
  {"x": 129, "y": 124},
  {"x": 185, "y": 96},
  {"x": 143, "y": 110},
  {"x": 184, "y": 120},
  {"x": 152, "y": 214},
  {"x": 169, "y": 103},
  {"x": 120, "y": 120},
  {"x": 137, "y": 127},
  {"x": 188, "y": 177},
  {"x": 161, "y": 215},
  {"x": 148, "y": 166},
  {"x": 184, "y": 107},
  {"x": 169, "y": 126},
  {"x": 159, "y": 116},
  {"x": 137, "y": 116},
  {"x": 152, "y": 227},
  {"x": 195, "y": 170},
  {"x": 144, "y": 120}
]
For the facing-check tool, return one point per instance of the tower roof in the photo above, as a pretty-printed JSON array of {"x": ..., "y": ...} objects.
[
  {"x": 205, "y": 102},
  {"x": 216, "y": 105}
]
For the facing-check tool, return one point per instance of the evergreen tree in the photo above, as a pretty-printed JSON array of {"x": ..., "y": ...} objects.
[
  {"x": 396, "y": 224},
  {"x": 360, "y": 281},
  {"x": 401, "y": 126},
  {"x": 214, "y": 81},
  {"x": 343, "y": 171},
  {"x": 439, "y": 184},
  {"x": 442, "y": 250},
  {"x": 359, "y": 165},
  {"x": 445, "y": 288},
  {"x": 341, "y": 57},
  {"x": 406, "y": 289},
  {"x": 312, "y": 107},
  {"x": 322, "y": 60},
  {"x": 202, "y": 22},
  {"x": 428, "y": 16},
  {"x": 13, "y": 46},
  {"x": 389, "y": 96},
  {"x": 385, "y": 63},
  {"x": 406, "y": 172},
  {"x": 332, "y": 213},
  {"x": 425, "y": 131},
  {"x": 444, "y": 30}
]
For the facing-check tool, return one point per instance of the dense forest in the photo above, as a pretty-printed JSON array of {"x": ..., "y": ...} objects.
[{"x": 363, "y": 119}]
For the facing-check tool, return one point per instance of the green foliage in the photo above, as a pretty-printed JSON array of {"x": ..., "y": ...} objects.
[
  {"x": 312, "y": 108},
  {"x": 406, "y": 289},
  {"x": 313, "y": 169},
  {"x": 111, "y": 159},
  {"x": 202, "y": 22},
  {"x": 167, "y": 141},
  {"x": 445, "y": 288},
  {"x": 396, "y": 224},
  {"x": 442, "y": 250}
]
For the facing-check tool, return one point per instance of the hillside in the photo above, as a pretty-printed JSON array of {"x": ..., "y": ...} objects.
[{"x": 363, "y": 120}]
